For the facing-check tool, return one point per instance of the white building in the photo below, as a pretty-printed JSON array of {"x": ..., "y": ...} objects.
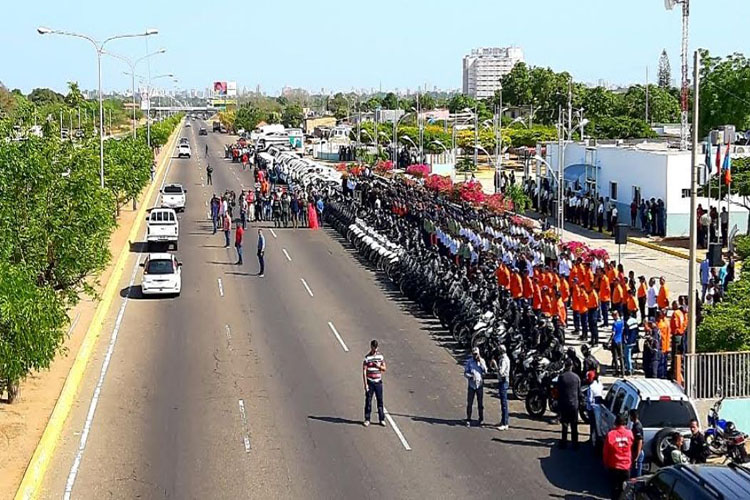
[
  {"x": 484, "y": 67},
  {"x": 624, "y": 173}
]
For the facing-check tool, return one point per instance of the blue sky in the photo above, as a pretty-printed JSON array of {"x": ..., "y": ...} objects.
[{"x": 343, "y": 44}]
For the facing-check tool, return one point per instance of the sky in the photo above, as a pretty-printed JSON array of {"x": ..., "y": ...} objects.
[{"x": 340, "y": 45}]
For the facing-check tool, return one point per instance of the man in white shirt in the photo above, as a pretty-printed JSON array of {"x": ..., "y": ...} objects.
[
  {"x": 651, "y": 295},
  {"x": 503, "y": 376}
]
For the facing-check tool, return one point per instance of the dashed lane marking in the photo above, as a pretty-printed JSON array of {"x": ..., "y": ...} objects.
[
  {"x": 307, "y": 287},
  {"x": 338, "y": 337},
  {"x": 396, "y": 430},
  {"x": 245, "y": 437},
  {"x": 286, "y": 254},
  {"x": 221, "y": 287},
  {"x": 273, "y": 233}
]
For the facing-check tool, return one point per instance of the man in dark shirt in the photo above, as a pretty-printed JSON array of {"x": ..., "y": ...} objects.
[
  {"x": 569, "y": 392},
  {"x": 698, "y": 451},
  {"x": 637, "y": 428}
]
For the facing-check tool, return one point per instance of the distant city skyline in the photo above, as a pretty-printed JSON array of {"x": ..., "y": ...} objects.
[{"x": 593, "y": 40}]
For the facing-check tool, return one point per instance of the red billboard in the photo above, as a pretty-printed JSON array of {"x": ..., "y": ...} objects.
[{"x": 220, "y": 88}]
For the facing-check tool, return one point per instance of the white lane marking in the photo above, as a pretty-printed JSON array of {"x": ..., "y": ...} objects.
[
  {"x": 336, "y": 333},
  {"x": 221, "y": 287},
  {"x": 102, "y": 374},
  {"x": 396, "y": 430},
  {"x": 306, "y": 286},
  {"x": 245, "y": 437},
  {"x": 286, "y": 254},
  {"x": 274, "y": 234},
  {"x": 97, "y": 391},
  {"x": 228, "y": 333}
]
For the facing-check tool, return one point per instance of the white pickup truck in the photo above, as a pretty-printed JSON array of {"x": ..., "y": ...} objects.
[
  {"x": 162, "y": 228},
  {"x": 174, "y": 196}
]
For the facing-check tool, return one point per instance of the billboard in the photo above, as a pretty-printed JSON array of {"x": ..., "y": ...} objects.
[
  {"x": 220, "y": 88},
  {"x": 232, "y": 89}
]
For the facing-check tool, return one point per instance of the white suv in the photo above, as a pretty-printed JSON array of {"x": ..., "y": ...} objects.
[
  {"x": 174, "y": 196},
  {"x": 662, "y": 406},
  {"x": 183, "y": 151}
]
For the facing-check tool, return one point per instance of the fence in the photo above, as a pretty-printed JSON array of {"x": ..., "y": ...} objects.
[{"x": 718, "y": 374}]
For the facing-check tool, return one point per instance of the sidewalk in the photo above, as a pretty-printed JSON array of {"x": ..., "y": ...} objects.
[{"x": 22, "y": 423}]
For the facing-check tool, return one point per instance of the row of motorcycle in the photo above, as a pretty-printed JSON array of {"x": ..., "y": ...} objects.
[{"x": 469, "y": 306}]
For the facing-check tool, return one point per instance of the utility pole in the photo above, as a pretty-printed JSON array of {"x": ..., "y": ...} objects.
[
  {"x": 691, "y": 329},
  {"x": 647, "y": 95}
]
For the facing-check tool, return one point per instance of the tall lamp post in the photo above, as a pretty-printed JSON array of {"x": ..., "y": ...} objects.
[
  {"x": 99, "y": 46},
  {"x": 132, "y": 64}
]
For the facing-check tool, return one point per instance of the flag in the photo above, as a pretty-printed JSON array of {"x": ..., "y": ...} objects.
[
  {"x": 727, "y": 168},
  {"x": 718, "y": 159},
  {"x": 708, "y": 161}
]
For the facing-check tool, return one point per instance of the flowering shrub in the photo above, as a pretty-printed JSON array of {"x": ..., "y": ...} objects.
[
  {"x": 522, "y": 221},
  {"x": 419, "y": 170},
  {"x": 470, "y": 192},
  {"x": 384, "y": 166},
  {"x": 498, "y": 203},
  {"x": 440, "y": 183},
  {"x": 579, "y": 249},
  {"x": 341, "y": 167},
  {"x": 551, "y": 234}
]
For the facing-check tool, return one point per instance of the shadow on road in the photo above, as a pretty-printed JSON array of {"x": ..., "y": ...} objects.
[
  {"x": 450, "y": 422},
  {"x": 335, "y": 420},
  {"x": 138, "y": 246}
]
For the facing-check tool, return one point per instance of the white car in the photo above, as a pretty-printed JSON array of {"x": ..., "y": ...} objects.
[
  {"x": 162, "y": 275},
  {"x": 174, "y": 196},
  {"x": 183, "y": 151},
  {"x": 162, "y": 227}
]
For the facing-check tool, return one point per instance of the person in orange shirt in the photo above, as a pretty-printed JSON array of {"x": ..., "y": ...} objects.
[
  {"x": 575, "y": 299},
  {"x": 516, "y": 286},
  {"x": 617, "y": 298},
  {"x": 564, "y": 290},
  {"x": 662, "y": 300},
  {"x": 593, "y": 316},
  {"x": 561, "y": 311},
  {"x": 588, "y": 277},
  {"x": 666, "y": 342},
  {"x": 605, "y": 296},
  {"x": 536, "y": 302},
  {"x": 641, "y": 294},
  {"x": 501, "y": 276},
  {"x": 631, "y": 308},
  {"x": 547, "y": 307},
  {"x": 528, "y": 287},
  {"x": 677, "y": 323},
  {"x": 582, "y": 310},
  {"x": 611, "y": 274}
]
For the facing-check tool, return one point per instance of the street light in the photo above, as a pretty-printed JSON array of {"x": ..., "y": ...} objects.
[
  {"x": 132, "y": 64},
  {"x": 99, "y": 46}
]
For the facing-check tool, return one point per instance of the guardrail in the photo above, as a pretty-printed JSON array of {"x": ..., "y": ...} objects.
[{"x": 718, "y": 374}]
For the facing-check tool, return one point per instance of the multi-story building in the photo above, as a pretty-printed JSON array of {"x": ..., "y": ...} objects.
[{"x": 484, "y": 67}]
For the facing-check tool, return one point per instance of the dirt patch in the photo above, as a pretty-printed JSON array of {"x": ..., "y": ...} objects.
[{"x": 22, "y": 423}]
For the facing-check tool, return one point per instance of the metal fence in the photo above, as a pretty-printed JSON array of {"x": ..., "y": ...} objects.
[{"x": 718, "y": 374}]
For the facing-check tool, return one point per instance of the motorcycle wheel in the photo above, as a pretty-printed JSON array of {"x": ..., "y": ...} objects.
[
  {"x": 716, "y": 445},
  {"x": 464, "y": 335},
  {"x": 536, "y": 404},
  {"x": 521, "y": 386}
]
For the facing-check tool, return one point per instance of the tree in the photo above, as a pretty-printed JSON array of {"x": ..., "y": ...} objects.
[
  {"x": 517, "y": 86},
  {"x": 292, "y": 115},
  {"x": 390, "y": 101},
  {"x": 338, "y": 105},
  {"x": 459, "y": 102},
  {"x": 740, "y": 184},
  {"x": 248, "y": 117},
  {"x": 619, "y": 127},
  {"x": 664, "y": 77},
  {"x": 725, "y": 92},
  {"x": 663, "y": 106},
  {"x": 74, "y": 97},
  {"x": 600, "y": 102},
  {"x": 40, "y": 97},
  {"x": 127, "y": 167},
  {"x": 726, "y": 325}
]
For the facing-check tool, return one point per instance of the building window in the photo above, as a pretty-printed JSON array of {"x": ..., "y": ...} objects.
[
  {"x": 613, "y": 191},
  {"x": 637, "y": 195}
]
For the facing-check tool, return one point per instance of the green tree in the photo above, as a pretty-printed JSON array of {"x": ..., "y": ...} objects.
[
  {"x": 459, "y": 102},
  {"x": 726, "y": 325},
  {"x": 75, "y": 97},
  {"x": 292, "y": 115},
  {"x": 663, "y": 106},
  {"x": 338, "y": 105},
  {"x": 40, "y": 97},
  {"x": 390, "y": 101},
  {"x": 127, "y": 168},
  {"x": 600, "y": 102},
  {"x": 725, "y": 92},
  {"x": 248, "y": 117},
  {"x": 740, "y": 185},
  {"x": 619, "y": 127},
  {"x": 517, "y": 86}
]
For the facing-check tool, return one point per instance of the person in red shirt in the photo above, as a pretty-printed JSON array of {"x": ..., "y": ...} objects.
[
  {"x": 618, "y": 455},
  {"x": 238, "y": 236}
]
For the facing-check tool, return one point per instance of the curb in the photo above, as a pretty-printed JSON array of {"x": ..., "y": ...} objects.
[
  {"x": 659, "y": 248},
  {"x": 31, "y": 483}
]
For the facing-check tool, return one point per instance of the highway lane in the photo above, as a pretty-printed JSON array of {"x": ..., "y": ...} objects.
[{"x": 246, "y": 390}]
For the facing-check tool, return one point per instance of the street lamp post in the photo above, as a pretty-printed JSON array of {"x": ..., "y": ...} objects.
[
  {"x": 99, "y": 46},
  {"x": 132, "y": 64}
]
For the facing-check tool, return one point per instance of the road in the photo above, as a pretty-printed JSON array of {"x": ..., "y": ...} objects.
[{"x": 249, "y": 387}]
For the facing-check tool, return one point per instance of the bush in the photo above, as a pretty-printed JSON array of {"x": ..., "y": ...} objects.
[
  {"x": 742, "y": 246},
  {"x": 726, "y": 325}
]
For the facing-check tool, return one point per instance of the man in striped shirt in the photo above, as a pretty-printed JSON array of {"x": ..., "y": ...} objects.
[{"x": 373, "y": 369}]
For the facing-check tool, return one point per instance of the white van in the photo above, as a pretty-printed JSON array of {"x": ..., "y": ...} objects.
[{"x": 162, "y": 228}]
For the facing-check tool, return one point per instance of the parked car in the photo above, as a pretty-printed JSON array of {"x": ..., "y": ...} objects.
[
  {"x": 174, "y": 196},
  {"x": 162, "y": 274},
  {"x": 183, "y": 151},
  {"x": 694, "y": 482},
  {"x": 162, "y": 228},
  {"x": 663, "y": 408}
]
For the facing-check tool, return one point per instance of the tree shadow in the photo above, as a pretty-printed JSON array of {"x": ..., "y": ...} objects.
[{"x": 138, "y": 246}]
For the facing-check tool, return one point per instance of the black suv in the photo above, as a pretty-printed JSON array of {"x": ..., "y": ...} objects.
[
  {"x": 202, "y": 131},
  {"x": 693, "y": 482}
]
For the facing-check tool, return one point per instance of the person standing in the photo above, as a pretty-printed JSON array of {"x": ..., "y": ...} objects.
[
  {"x": 638, "y": 454},
  {"x": 569, "y": 393},
  {"x": 705, "y": 270},
  {"x": 373, "y": 368},
  {"x": 153, "y": 170},
  {"x": 209, "y": 172},
  {"x": 641, "y": 293},
  {"x": 261, "y": 253},
  {"x": 662, "y": 300},
  {"x": 503, "y": 375},
  {"x": 724, "y": 223},
  {"x": 618, "y": 455},
  {"x": 651, "y": 296},
  {"x": 698, "y": 451},
  {"x": 243, "y": 209},
  {"x": 474, "y": 370},
  {"x": 618, "y": 326},
  {"x": 239, "y": 234},
  {"x": 227, "y": 227},
  {"x": 215, "y": 203}
]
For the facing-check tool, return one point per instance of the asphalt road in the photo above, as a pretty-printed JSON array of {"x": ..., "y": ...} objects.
[{"x": 249, "y": 387}]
